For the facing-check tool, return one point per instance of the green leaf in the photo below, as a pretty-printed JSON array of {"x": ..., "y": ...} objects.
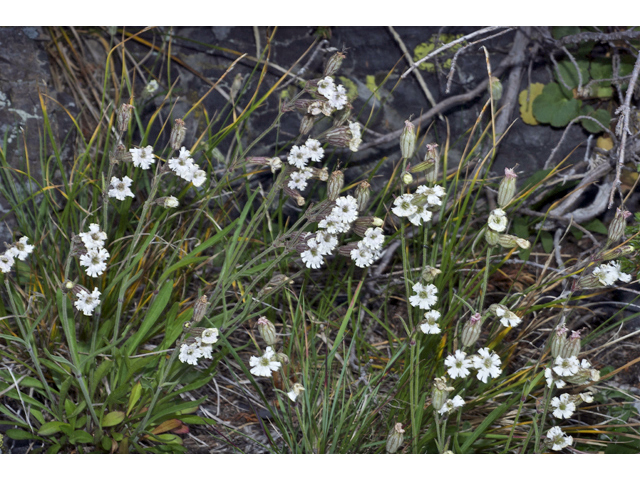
[
  {"x": 80, "y": 436},
  {"x": 547, "y": 241},
  {"x": 112, "y": 418},
  {"x": 17, "y": 434},
  {"x": 553, "y": 107},
  {"x": 173, "y": 327},
  {"x": 596, "y": 226},
  {"x": 601, "y": 115},
  {"x": 153, "y": 313},
  {"x": 51, "y": 428},
  {"x": 569, "y": 73},
  {"x": 484, "y": 425},
  {"x": 136, "y": 391}
]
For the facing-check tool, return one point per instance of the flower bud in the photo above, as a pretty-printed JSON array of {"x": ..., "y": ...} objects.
[
  {"x": 333, "y": 64},
  {"x": 296, "y": 390},
  {"x": 342, "y": 116},
  {"x": 422, "y": 166},
  {"x": 558, "y": 340},
  {"x": 283, "y": 358},
  {"x": 167, "y": 202},
  {"x": 363, "y": 193},
  {"x": 511, "y": 241},
  {"x": 618, "y": 252},
  {"x": 618, "y": 225},
  {"x": 68, "y": 286},
  {"x": 345, "y": 250},
  {"x": 178, "y": 132},
  {"x": 339, "y": 136},
  {"x": 277, "y": 281},
  {"x": 77, "y": 289},
  {"x": 507, "y": 188},
  {"x": 589, "y": 281},
  {"x": 496, "y": 89},
  {"x": 123, "y": 155},
  {"x": 471, "y": 331},
  {"x": 306, "y": 124},
  {"x": 407, "y": 178},
  {"x": 571, "y": 347},
  {"x": 321, "y": 174},
  {"x": 432, "y": 155},
  {"x": 289, "y": 192},
  {"x": 439, "y": 393},
  {"x": 408, "y": 140},
  {"x": 199, "y": 309},
  {"x": 362, "y": 224},
  {"x": 267, "y": 331},
  {"x": 335, "y": 184},
  {"x": 124, "y": 117},
  {"x": 395, "y": 438},
  {"x": 430, "y": 273},
  {"x": 584, "y": 375},
  {"x": 491, "y": 237}
]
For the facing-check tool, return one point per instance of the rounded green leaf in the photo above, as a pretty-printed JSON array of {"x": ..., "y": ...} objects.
[
  {"x": 51, "y": 427},
  {"x": 112, "y": 418},
  {"x": 601, "y": 115}
]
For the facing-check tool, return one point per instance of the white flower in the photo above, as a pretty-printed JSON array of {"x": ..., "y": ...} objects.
[
  {"x": 458, "y": 364},
  {"x": 566, "y": 366},
  {"x": 199, "y": 178},
  {"x": 421, "y": 215},
  {"x": 615, "y": 267},
  {"x": 171, "y": 202},
  {"x": 263, "y": 365},
  {"x": 586, "y": 397},
  {"x": 298, "y": 156},
  {"x": 363, "y": 256},
  {"x": 94, "y": 238},
  {"x": 338, "y": 97},
  {"x": 558, "y": 439},
  {"x": 95, "y": 261},
  {"x": 326, "y": 87},
  {"x": 206, "y": 351},
  {"x": 333, "y": 224},
  {"x": 183, "y": 164},
  {"x": 296, "y": 390},
  {"x": 312, "y": 257},
  {"x": 356, "y": 139},
  {"x": 605, "y": 275},
  {"x": 433, "y": 194},
  {"x": 314, "y": 150},
  {"x": 425, "y": 296},
  {"x": 585, "y": 363},
  {"x": 86, "y": 301},
  {"x": 151, "y": 87},
  {"x": 142, "y": 157},
  {"x": 487, "y": 364},
  {"x": 430, "y": 325},
  {"x": 120, "y": 188},
  {"x": 188, "y": 172},
  {"x": 298, "y": 180},
  {"x": 326, "y": 242},
  {"x": 6, "y": 262},
  {"x": 373, "y": 238},
  {"x": 498, "y": 220},
  {"x": 21, "y": 249},
  {"x": 346, "y": 209},
  {"x": 403, "y": 206},
  {"x": 451, "y": 405},
  {"x": 189, "y": 354},
  {"x": 507, "y": 317},
  {"x": 548, "y": 373},
  {"x": 210, "y": 336},
  {"x": 564, "y": 407}
]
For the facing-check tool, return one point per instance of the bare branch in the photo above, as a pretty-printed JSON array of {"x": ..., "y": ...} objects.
[{"x": 598, "y": 37}]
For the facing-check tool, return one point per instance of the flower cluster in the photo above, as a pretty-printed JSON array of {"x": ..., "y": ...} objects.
[
  {"x": 486, "y": 363},
  {"x": 570, "y": 370},
  {"x": 299, "y": 156},
  {"x": 416, "y": 206},
  {"x": 336, "y": 96},
  {"x": 184, "y": 167},
  {"x": 20, "y": 250},
  {"x": 426, "y": 297},
  {"x": 202, "y": 347},
  {"x": 96, "y": 255}
]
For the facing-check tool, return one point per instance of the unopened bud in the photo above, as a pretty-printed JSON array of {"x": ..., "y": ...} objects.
[
  {"x": 199, "y": 309},
  {"x": 77, "y": 289},
  {"x": 123, "y": 155},
  {"x": 363, "y": 193},
  {"x": 167, "y": 202},
  {"x": 408, "y": 140},
  {"x": 277, "y": 281},
  {"x": 395, "y": 438},
  {"x": 341, "y": 117},
  {"x": 68, "y": 286},
  {"x": 407, "y": 178},
  {"x": 511, "y": 241},
  {"x": 283, "y": 358},
  {"x": 571, "y": 347},
  {"x": 321, "y": 174},
  {"x": 583, "y": 376},
  {"x": 338, "y": 136},
  {"x": 618, "y": 252},
  {"x": 422, "y": 166},
  {"x": 471, "y": 330},
  {"x": 491, "y": 237},
  {"x": 335, "y": 184},
  {"x": 362, "y": 224},
  {"x": 178, "y": 132},
  {"x": 124, "y": 117},
  {"x": 306, "y": 124},
  {"x": 267, "y": 331},
  {"x": 293, "y": 194},
  {"x": 432, "y": 155},
  {"x": 618, "y": 225},
  {"x": 333, "y": 64},
  {"x": 345, "y": 250},
  {"x": 558, "y": 340},
  {"x": 439, "y": 393},
  {"x": 507, "y": 188},
  {"x": 589, "y": 281},
  {"x": 496, "y": 89},
  {"x": 430, "y": 273}
]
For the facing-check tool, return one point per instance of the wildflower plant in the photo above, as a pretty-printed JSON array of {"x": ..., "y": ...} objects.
[{"x": 358, "y": 309}]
